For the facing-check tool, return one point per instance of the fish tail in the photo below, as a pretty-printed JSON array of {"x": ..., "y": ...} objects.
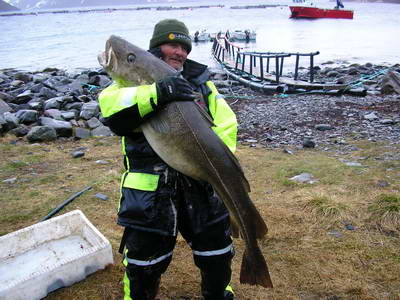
[
  {"x": 254, "y": 269},
  {"x": 260, "y": 229}
]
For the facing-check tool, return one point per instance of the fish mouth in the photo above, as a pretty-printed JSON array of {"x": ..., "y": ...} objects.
[{"x": 107, "y": 59}]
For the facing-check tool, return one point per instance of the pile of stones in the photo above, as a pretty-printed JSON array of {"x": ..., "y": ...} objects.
[{"x": 46, "y": 105}]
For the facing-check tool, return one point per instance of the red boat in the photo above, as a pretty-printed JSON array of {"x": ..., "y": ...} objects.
[
  {"x": 315, "y": 13},
  {"x": 312, "y": 12}
]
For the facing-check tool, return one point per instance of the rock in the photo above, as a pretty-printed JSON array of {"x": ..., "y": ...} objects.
[
  {"x": 20, "y": 130},
  {"x": 11, "y": 119},
  {"x": 74, "y": 105},
  {"x": 47, "y": 93},
  {"x": 89, "y": 110},
  {"x": 53, "y": 103},
  {"x": 353, "y": 164},
  {"x": 353, "y": 71},
  {"x": 35, "y": 105},
  {"x": 41, "y": 134},
  {"x": 335, "y": 233},
  {"x": 25, "y": 77},
  {"x": 387, "y": 122},
  {"x": 371, "y": 117},
  {"x": 10, "y": 180},
  {"x": 53, "y": 113},
  {"x": 382, "y": 183},
  {"x": 82, "y": 133},
  {"x": 323, "y": 127},
  {"x": 101, "y": 162},
  {"x": 62, "y": 128},
  {"x": 288, "y": 151},
  {"x": 391, "y": 83},
  {"x": 102, "y": 131},
  {"x": 6, "y": 97},
  {"x": 23, "y": 97},
  {"x": 26, "y": 116},
  {"x": 4, "y": 107},
  {"x": 304, "y": 178},
  {"x": 101, "y": 196},
  {"x": 40, "y": 77},
  {"x": 68, "y": 115},
  {"x": 308, "y": 143},
  {"x": 332, "y": 74},
  {"x": 16, "y": 83},
  {"x": 100, "y": 80},
  {"x": 3, "y": 125},
  {"x": 93, "y": 123},
  {"x": 77, "y": 154}
]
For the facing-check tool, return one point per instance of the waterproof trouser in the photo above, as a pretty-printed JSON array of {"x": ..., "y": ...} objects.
[{"x": 148, "y": 255}]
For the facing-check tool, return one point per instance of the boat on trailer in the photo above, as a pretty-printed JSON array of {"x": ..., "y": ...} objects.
[{"x": 305, "y": 10}]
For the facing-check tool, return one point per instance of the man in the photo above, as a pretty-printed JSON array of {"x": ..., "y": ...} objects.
[{"x": 156, "y": 201}]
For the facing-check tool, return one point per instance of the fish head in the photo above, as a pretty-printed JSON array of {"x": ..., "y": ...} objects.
[{"x": 131, "y": 65}]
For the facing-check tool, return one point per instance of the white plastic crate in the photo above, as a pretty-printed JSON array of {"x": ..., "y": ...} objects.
[{"x": 49, "y": 255}]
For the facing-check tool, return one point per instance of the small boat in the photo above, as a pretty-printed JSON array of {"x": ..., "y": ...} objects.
[
  {"x": 302, "y": 9},
  {"x": 240, "y": 35},
  {"x": 202, "y": 36}
]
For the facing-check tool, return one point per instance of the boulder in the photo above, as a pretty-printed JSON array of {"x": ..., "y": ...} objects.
[
  {"x": 62, "y": 128},
  {"x": 4, "y": 107},
  {"x": 391, "y": 83},
  {"x": 89, "y": 110},
  {"x": 82, "y": 133},
  {"x": 53, "y": 113},
  {"x": 11, "y": 120},
  {"x": 27, "y": 116},
  {"x": 20, "y": 131},
  {"x": 41, "y": 134},
  {"x": 102, "y": 131},
  {"x": 93, "y": 123}
]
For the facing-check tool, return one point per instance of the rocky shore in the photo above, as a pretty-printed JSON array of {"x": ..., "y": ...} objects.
[{"x": 51, "y": 104}]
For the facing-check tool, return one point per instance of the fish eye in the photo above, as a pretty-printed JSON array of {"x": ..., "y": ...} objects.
[{"x": 131, "y": 58}]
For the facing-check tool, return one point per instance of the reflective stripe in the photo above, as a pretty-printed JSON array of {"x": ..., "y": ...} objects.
[
  {"x": 223, "y": 116},
  {"x": 147, "y": 262},
  {"x": 213, "y": 252},
  {"x": 141, "y": 181},
  {"x": 127, "y": 288},
  {"x": 143, "y": 96},
  {"x": 229, "y": 289},
  {"x": 127, "y": 97}
]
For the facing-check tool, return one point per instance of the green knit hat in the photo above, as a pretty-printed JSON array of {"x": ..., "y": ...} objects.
[{"x": 171, "y": 31}]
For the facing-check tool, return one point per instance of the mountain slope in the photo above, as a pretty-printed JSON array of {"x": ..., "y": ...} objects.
[
  {"x": 49, "y": 4},
  {"x": 4, "y": 6}
]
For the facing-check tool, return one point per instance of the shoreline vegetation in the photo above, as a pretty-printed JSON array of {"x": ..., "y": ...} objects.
[{"x": 110, "y": 10}]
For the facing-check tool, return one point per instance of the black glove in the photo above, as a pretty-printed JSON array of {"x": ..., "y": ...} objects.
[{"x": 172, "y": 89}]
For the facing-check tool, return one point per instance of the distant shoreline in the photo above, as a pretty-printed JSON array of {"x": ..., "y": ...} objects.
[{"x": 109, "y": 10}]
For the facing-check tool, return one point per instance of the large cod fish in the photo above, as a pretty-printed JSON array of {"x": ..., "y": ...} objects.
[{"x": 181, "y": 134}]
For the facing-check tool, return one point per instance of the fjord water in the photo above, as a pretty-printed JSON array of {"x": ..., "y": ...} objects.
[{"x": 72, "y": 40}]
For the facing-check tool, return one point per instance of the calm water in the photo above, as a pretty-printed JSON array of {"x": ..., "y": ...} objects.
[{"x": 71, "y": 41}]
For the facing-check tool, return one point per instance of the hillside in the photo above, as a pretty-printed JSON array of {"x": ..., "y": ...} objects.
[{"x": 4, "y": 6}]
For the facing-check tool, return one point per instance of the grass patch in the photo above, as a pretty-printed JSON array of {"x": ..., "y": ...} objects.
[
  {"x": 386, "y": 211},
  {"x": 326, "y": 207},
  {"x": 305, "y": 261}
]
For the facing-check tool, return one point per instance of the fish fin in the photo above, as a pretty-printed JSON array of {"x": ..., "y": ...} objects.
[
  {"x": 232, "y": 157},
  {"x": 260, "y": 227},
  {"x": 254, "y": 269},
  {"x": 235, "y": 231}
]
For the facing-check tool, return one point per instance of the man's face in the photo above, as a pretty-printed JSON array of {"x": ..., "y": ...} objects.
[{"x": 174, "y": 54}]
